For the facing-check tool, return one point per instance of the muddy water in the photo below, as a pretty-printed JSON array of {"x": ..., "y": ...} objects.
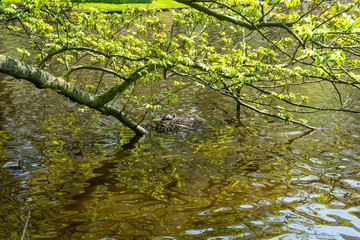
[{"x": 82, "y": 175}]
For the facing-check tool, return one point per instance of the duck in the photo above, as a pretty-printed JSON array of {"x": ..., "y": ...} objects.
[{"x": 168, "y": 117}]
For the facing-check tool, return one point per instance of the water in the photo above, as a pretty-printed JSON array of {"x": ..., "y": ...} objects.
[{"x": 82, "y": 175}]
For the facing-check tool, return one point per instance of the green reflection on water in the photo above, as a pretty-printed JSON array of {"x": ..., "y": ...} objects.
[{"x": 210, "y": 182}]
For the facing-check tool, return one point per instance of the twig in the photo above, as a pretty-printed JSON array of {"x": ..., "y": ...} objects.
[{"x": 25, "y": 227}]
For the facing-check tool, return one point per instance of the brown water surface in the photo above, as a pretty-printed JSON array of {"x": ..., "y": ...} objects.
[{"x": 82, "y": 175}]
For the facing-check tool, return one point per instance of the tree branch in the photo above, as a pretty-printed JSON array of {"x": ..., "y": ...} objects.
[
  {"x": 85, "y": 49},
  {"x": 43, "y": 79},
  {"x": 224, "y": 17},
  {"x": 77, "y": 68}
]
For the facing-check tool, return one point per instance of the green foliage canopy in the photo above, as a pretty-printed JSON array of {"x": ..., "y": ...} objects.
[{"x": 258, "y": 53}]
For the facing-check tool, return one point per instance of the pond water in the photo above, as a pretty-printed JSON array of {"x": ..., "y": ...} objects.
[{"x": 82, "y": 175}]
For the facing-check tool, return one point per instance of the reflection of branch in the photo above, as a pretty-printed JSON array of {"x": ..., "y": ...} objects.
[
  {"x": 104, "y": 175},
  {"x": 128, "y": 146},
  {"x": 25, "y": 227},
  {"x": 301, "y": 136}
]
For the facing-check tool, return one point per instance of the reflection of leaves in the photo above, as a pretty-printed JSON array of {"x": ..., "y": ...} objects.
[
  {"x": 206, "y": 177},
  {"x": 3, "y": 137},
  {"x": 155, "y": 175}
]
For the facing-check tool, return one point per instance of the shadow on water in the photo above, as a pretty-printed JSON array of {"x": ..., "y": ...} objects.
[{"x": 104, "y": 177}]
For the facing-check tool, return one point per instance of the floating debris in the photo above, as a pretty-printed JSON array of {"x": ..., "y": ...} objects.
[{"x": 169, "y": 123}]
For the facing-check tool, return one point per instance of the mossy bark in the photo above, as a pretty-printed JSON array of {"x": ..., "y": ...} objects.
[{"x": 43, "y": 79}]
